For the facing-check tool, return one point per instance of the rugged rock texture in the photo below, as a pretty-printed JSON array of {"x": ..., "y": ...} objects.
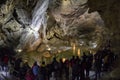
[
  {"x": 68, "y": 21},
  {"x": 15, "y": 17},
  {"x": 109, "y": 11}
]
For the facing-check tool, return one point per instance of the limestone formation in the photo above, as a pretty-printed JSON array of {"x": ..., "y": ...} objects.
[{"x": 67, "y": 20}]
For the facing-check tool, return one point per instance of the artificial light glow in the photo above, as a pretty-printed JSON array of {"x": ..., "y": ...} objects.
[
  {"x": 49, "y": 49},
  {"x": 94, "y": 45},
  {"x": 79, "y": 52},
  {"x": 19, "y": 50},
  {"x": 63, "y": 59},
  {"x": 74, "y": 48}
]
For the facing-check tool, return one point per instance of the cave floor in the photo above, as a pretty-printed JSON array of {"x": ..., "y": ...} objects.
[{"x": 5, "y": 75}]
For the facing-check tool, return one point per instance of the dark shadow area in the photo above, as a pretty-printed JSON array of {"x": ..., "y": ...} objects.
[
  {"x": 7, "y": 51},
  {"x": 2, "y": 1}
]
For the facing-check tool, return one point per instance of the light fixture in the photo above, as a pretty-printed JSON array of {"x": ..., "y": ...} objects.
[
  {"x": 63, "y": 59},
  {"x": 78, "y": 52},
  {"x": 18, "y": 50},
  {"x": 49, "y": 49}
]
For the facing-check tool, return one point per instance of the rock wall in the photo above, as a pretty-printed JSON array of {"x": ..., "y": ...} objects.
[
  {"x": 110, "y": 13},
  {"x": 15, "y": 16},
  {"x": 67, "y": 20}
]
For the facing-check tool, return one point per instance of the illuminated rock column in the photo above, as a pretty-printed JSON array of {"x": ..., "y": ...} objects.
[
  {"x": 74, "y": 47},
  {"x": 78, "y": 52}
]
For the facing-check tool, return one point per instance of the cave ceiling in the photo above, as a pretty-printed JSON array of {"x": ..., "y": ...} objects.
[{"x": 33, "y": 24}]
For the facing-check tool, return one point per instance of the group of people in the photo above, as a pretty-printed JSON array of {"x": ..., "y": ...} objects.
[
  {"x": 76, "y": 68},
  {"x": 57, "y": 70}
]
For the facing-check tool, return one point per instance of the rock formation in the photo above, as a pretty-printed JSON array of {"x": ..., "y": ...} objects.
[
  {"x": 109, "y": 11},
  {"x": 67, "y": 20},
  {"x": 33, "y": 25}
]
